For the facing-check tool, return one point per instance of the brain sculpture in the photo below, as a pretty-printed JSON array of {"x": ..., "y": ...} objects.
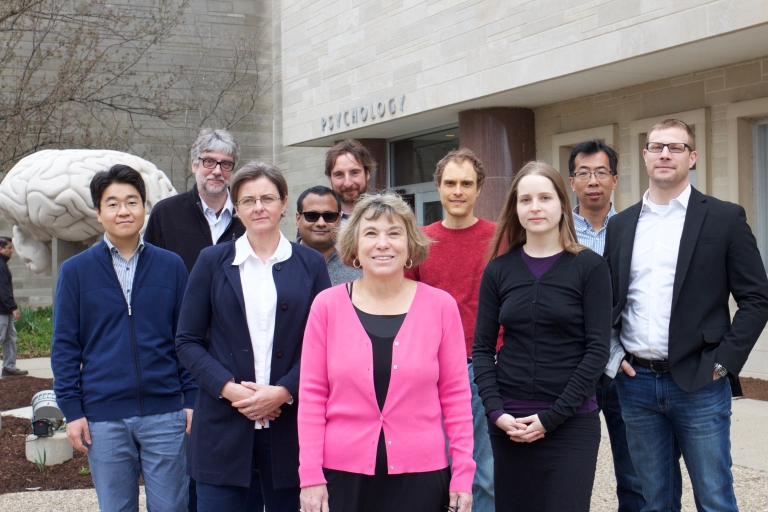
[{"x": 47, "y": 195}]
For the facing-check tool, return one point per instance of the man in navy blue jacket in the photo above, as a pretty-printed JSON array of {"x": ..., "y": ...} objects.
[{"x": 127, "y": 399}]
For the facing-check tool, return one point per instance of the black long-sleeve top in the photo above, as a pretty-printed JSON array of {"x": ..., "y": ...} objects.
[
  {"x": 7, "y": 304},
  {"x": 556, "y": 332}
]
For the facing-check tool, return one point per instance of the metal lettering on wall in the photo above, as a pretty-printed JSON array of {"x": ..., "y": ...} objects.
[{"x": 342, "y": 120}]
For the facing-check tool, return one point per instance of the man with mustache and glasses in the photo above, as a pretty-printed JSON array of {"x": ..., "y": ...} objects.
[
  {"x": 318, "y": 216},
  {"x": 349, "y": 165}
]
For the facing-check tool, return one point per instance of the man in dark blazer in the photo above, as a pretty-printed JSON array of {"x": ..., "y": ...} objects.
[{"x": 676, "y": 258}]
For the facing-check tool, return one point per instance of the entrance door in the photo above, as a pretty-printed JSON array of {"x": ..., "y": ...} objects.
[
  {"x": 412, "y": 164},
  {"x": 425, "y": 202}
]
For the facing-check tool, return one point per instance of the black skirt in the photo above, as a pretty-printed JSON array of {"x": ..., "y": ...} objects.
[{"x": 553, "y": 474}]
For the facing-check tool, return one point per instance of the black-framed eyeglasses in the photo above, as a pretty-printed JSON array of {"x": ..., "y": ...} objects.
[
  {"x": 329, "y": 217},
  {"x": 674, "y": 147},
  {"x": 250, "y": 202},
  {"x": 211, "y": 163},
  {"x": 586, "y": 175}
]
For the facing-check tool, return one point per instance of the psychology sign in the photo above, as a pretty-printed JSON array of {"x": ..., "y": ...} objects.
[{"x": 347, "y": 118}]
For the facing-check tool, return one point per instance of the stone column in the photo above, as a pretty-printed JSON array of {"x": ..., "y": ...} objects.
[
  {"x": 504, "y": 139},
  {"x": 62, "y": 250}
]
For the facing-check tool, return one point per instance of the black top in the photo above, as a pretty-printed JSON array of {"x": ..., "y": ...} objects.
[
  {"x": 177, "y": 223},
  {"x": 382, "y": 330},
  {"x": 7, "y": 303},
  {"x": 556, "y": 332}
]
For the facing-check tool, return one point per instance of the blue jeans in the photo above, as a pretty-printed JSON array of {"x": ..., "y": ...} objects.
[
  {"x": 151, "y": 446},
  {"x": 482, "y": 487},
  {"x": 662, "y": 418},
  {"x": 628, "y": 488}
]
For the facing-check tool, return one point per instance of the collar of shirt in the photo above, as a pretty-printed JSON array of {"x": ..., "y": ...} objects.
[
  {"x": 228, "y": 206},
  {"x": 581, "y": 224},
  {"x": 243, "y": 250},
  {"x": 679, "y": 201},
  {"x": 113, "y": 249}
]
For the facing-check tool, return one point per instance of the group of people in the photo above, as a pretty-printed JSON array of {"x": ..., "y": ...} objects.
[{"x": 375, "y": 365}]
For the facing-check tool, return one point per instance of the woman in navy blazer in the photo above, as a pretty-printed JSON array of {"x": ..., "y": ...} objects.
[{"x": 223, "y": 339}]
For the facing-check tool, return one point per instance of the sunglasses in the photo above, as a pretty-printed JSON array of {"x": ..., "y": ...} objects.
[{"x": 329, "y": 217}]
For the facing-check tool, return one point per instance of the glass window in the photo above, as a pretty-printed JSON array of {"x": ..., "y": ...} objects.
[{"x": 414, "y": 159}]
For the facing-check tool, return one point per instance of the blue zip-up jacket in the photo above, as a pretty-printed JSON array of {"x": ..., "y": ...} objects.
[{"x": 110, "y": 362}]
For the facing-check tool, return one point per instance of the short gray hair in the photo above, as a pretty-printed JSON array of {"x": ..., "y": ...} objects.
[
  {"x": 370, "y": 207},
  {"x": 214, "y": 140}
]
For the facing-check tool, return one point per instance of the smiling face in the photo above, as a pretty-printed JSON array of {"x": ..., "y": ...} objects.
[
  {"x": 382, "y": 246},
  {"x": 349, "y": 179},
  {"x": 538, "y": 206},
  {"x": 121, "y": 212},
  {"x": 669, "y": 171},
  {"x": 593, "y": 193},
  {"x": 458, "y": 189},
  {"x": 259, "y": 219},
  {"x": 317, "y": 235},
  {"x": 212, "y": 182}
]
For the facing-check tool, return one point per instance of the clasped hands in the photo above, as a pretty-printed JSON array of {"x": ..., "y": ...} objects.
[
  {"x": 521, "y": 430},
  {"x": 257, "y": 402}
]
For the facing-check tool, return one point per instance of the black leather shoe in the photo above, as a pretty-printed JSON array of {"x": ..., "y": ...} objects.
[{"x": 14, "y": 372}]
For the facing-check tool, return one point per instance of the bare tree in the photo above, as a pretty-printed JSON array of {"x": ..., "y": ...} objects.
[
  {"x": 223, "y": 90},
  {"x": 86, "y": 74}
]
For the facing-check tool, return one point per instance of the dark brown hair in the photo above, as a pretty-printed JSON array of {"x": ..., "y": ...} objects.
[
  {"x": 353, "y": 147},
  {"x": 459, "y": 156},
  {"x": 509, "y": 231},
  {"x": 673, "y": 123},
  {"x": 254, "y": 170}
]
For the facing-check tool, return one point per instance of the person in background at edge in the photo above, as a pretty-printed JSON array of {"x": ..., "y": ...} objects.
[
  {"x": 461, "y": 242},
  {"x": 552, "y": 296},
  {"x": 382, "y": 370},
  {"x": 240, "y": 334},
  {"x": 318, "y": 216},
  {"x": 203, "y": 216},
  {"x": 593, "y": 169},
  {"x": 676, "y": 258},
  {"x": 349, "y": 165},
  {"x": 9, "y": 312}
]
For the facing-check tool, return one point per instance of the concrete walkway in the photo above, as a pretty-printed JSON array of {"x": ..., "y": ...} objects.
[{"x": 749, "y": 447}]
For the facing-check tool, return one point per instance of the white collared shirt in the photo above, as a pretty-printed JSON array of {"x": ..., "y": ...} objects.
[
  {"x": 260, "y": 296},
  {"x": 645, "y": 318},
  {"x": 218, "y": 224}
]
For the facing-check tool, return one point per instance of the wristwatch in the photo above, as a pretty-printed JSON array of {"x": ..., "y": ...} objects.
[{"x": 720, "y": 370}]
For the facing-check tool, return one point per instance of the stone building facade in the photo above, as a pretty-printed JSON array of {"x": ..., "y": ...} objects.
[{"x": 513, "y": 81}]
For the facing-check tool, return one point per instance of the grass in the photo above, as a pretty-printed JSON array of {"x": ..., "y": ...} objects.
[{"x": 35, "y": 330}]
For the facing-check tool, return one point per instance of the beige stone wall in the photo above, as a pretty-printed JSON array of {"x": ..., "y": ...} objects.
[
  {"x": 723, "y": 103},
  {"x": 340, "y": 54}
]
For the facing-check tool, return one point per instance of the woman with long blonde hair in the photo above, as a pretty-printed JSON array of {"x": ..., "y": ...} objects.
[{"x": 553, "y": 298}]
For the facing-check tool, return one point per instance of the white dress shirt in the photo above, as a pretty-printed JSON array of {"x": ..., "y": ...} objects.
[
  {"x": 218, "y": 224},
  {"x": 645, "y": 318},
  {"x": 260, "y": 297}
]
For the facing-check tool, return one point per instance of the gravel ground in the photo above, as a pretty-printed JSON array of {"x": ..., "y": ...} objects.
[{"x": 751, "y": 491}]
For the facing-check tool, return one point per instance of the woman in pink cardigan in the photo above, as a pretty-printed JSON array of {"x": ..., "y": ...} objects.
[{"x": 384, "y": 379}]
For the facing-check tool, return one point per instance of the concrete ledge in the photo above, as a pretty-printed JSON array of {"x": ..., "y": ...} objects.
[{"x": 55, "y": 450}]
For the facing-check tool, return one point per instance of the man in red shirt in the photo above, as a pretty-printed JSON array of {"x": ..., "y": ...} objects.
[{"x": 455, "y": 264}]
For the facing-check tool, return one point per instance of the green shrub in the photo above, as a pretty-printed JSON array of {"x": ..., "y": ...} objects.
[{"x": 35, "y": 328}]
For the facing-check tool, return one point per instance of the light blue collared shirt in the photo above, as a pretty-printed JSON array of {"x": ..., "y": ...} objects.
[
  {"x": 595, "y": 240},
  {"x": 125, "y": 269}
]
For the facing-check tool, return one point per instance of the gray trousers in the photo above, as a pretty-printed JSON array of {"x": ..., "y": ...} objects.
[{"x": 8, "y": 340}]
